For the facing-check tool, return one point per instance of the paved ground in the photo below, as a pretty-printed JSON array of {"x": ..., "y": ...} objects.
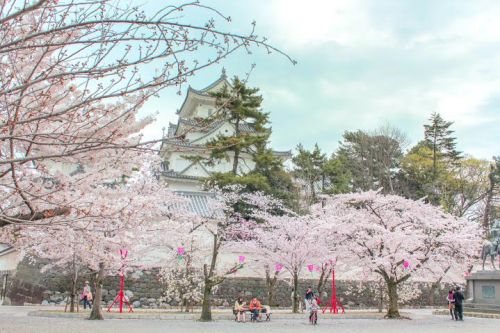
[{"x": 15, "y": 320}]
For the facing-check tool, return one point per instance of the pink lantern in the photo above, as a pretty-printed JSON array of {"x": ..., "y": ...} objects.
[
  {"x": 406, "y": 264},
  {"x": 310, "y": 267},
  {"x": 180, "y": 251},
  {"x": 278, "y": 267},
  {"x": 241, "y": 259},
  {"x": 123, "y": 253}
]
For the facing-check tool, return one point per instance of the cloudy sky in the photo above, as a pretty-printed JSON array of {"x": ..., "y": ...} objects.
[{"x": 362, "y": 64}]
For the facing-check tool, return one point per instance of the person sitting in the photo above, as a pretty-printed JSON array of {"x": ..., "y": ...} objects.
[
  {"x": 255, "y": 307},
  {"x": 239, "y": 309}
]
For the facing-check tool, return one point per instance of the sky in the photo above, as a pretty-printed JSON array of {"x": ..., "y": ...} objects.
[{"x": 362, "y": 64}]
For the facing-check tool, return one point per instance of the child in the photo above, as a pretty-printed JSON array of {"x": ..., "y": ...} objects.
[{"x": 313, "y": 308}]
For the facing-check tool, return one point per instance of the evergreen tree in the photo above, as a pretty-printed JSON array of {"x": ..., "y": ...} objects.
[
  {"x": 373, "y": 159},
  {"x": 308, "y": 166},
  {"x": 438, "y": 137},
  {"x": 241, "y": 106},
  {"x": 336, "y": 176}
]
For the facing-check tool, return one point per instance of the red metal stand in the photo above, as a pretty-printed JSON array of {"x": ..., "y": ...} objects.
[
  {"x": 121, "y": 295},
  {"x": 334, "y": 303}
]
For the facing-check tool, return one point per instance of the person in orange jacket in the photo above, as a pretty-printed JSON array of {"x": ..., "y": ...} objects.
[{"x": 254, "y": 308}]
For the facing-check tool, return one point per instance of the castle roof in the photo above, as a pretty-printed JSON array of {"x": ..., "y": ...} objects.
[
  {"x": 194, "y": 96},
  {"x": 199, "y": 202}
]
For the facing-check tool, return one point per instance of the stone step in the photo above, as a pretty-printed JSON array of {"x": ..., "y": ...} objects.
[{"x": 478, "y": 307}]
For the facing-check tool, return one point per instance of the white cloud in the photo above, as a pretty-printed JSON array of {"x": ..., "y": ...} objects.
[{"x": 346, "y": 22}]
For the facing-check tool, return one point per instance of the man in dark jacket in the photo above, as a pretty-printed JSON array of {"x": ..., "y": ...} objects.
[{"x": 459, "y": 304}]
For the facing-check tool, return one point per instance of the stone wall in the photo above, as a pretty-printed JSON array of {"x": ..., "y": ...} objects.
[{"x": 145, "y": 290}]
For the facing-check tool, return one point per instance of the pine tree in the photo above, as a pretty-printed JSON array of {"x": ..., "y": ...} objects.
[
  {"x": 309, "y": 166},
  {"x": 240, "y": 106},
  {"x": 438, "y": 137}
]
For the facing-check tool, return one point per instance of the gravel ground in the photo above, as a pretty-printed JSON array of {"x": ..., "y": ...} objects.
[{"x": 15, "y": 320}]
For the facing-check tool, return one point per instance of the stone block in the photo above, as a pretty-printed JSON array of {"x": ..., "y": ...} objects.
[{"x": 129, "y": 294}]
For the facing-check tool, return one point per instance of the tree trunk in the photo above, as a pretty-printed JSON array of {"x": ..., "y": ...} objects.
[
  {"x": 381, "y": 297},
  {"x": 206, "y": 310},
  {"x": 74, "y": 281},
  {"x": 270, "y": 284},
  {"x": 96, "y": 313},
  {"x": 236, "y": 149},
  {"x": 392, "y": 290},
  {"x": 323, "y": 278},
  {"x": 295, "y": 295}
]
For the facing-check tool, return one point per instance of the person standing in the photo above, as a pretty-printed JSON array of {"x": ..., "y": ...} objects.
[
  {"x": 309, "y": 296},
  {"x": 309, "y": 293},
  {"x": 451, "y": 303},
  {"x": 86, "y": 295},
  {"x": 459, "y": 307}
]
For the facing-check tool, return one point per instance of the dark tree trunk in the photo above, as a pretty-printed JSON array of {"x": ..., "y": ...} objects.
[
  {"x": 206, "y": 310},
  {"x": 208, "y": 273},
  {"x": 74, "y": 281},
  {"x": 96, "y": 313},
  {"x": 393, "y": 309},
  {"x": 326, "y": 271},
  {"x": 271, "y": 285},
  {"x": 381, "y": 297},
  {"x": 236, "y": 149},
  {"x": 295, "y": 308}
]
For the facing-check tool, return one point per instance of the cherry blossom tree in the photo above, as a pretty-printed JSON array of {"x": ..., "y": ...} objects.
[
  {"x": 205, "y": 237},
  {"x": 73, "y": 76},
  {"x": 398, "y": 239},
  {"x": 128, "y": 214},
  {"x": 183, "y": 277},
  {"x": 291, "y": 240}
]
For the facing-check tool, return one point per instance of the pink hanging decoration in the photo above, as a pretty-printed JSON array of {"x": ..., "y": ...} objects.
[
  {"x": 123, "y": 253},
  {"x": 241, "y": 259},
  {"x": 180, "y": 253},
  {"x": 310, "y": 267},
  {"x": 278, "y": 267},
  {"x": 406, "y": 264}
]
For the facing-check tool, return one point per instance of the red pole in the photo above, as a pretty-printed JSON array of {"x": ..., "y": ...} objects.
[
  {"x": 334, "y": 293},
  {"x": 122, "y": 285}
]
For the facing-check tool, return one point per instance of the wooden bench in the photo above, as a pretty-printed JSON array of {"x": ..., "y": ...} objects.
[{"x": 266, "y": 309}]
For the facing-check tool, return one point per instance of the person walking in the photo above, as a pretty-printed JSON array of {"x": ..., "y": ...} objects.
[
  {"x": 86, "y": 296},
  {"x": 451, "y": 303},
  {"x": 240, "y": 308},
  {"x": 459, "y": 307}
]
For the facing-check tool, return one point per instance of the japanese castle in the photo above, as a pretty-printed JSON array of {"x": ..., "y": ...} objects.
[{"x": 184, "y": 144}]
